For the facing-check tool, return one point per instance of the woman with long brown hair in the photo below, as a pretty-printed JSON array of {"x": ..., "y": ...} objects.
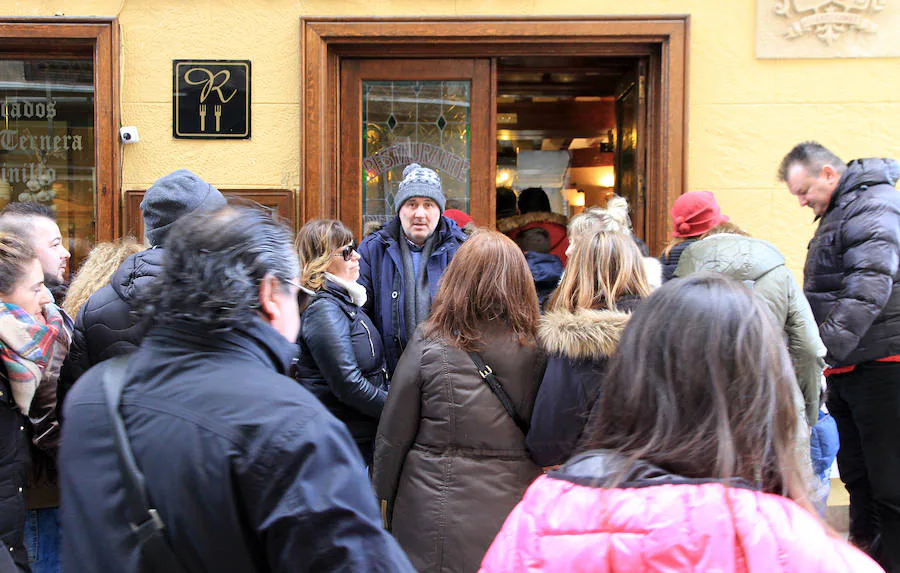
[
  {"x": 691, "y": 461},
  {"x": 604, "y": 282},
  {"x": 450, "y": 457}
]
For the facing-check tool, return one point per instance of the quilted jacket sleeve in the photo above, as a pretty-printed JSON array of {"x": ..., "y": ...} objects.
[
  {"x": 870, "y": 237},
  {"x": 326, "y": 331},
  {"x": 805, "y": 347}
]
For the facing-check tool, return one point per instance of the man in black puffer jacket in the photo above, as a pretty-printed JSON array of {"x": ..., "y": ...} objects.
[
  {"x": 852, "y": 281},
  {"x": 106, "y": 325}
]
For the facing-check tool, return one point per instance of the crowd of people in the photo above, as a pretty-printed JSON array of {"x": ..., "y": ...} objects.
[{"x": 543, "y": 396}]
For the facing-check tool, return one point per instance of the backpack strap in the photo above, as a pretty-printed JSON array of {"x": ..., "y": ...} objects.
[
  {"x": 487, "y": 374},
  {"x": 144, "y": 520}
]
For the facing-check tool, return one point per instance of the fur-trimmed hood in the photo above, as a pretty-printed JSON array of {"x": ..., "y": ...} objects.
[
  {"x": 585, "y": 334},
  {"x": 512, "y": 223}
]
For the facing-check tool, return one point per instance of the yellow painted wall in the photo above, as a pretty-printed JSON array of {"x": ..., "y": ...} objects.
[{"x": 744, "y": 113}]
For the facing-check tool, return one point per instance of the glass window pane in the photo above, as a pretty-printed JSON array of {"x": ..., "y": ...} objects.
[
  {"x": 426, "y": 122},
  {"x": 47, "y": 142}
]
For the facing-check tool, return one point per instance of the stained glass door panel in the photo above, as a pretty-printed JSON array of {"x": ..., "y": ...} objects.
[{"x": 397, "y": 112}]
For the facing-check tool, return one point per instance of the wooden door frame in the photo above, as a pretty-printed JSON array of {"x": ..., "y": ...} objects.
[
  {"x": 325, "y": 41},
  {"x": 101, "y": 37}
]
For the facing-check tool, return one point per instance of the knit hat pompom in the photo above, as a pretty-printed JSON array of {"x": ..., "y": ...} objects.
[
  {"x": 410, "y": 168},
  {"x": 420, "y": 181}
]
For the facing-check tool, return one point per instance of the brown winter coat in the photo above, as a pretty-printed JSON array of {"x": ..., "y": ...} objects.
[{"x": 450, "y": 463}]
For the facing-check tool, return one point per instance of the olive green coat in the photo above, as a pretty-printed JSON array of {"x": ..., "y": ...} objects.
[{"x": 761, "y": 267}]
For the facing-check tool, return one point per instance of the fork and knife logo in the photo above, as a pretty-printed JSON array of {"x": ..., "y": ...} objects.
[{"x": 211, "y": 83}]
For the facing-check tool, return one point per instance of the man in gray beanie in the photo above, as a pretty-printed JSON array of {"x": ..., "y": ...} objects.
[
  {"x": 105, "y": 325},
  {"x": 402, "y": 262}
]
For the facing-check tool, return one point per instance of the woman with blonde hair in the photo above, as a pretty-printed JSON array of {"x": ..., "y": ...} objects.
[
  {"x": 605, "y": 281},
  {"x": 614, "y": 217},
  {"x": 341, "y": 356},
  {"x": 95, "y": 271},
  {"x": 450, "y": 457}
]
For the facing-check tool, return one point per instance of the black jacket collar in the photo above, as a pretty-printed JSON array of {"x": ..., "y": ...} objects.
[{"x": 255, "y": 338}]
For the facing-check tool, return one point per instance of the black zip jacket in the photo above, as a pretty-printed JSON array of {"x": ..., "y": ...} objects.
[
  {"x": 247, "y": 469},
  {"x": 342, "y": 361}
]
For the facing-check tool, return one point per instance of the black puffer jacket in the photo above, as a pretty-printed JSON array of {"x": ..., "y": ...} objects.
[
  {"x": 342, "y": 362},
  {"x": 851, "y": 273},
  {"x": 105, "y": 325},
  {"x": 13, "y": 474}
]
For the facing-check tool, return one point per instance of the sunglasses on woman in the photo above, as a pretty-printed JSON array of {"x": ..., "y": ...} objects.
[{"x": 346, "y": 252}]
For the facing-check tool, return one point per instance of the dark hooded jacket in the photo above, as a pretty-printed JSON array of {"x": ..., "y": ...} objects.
[
  {"x": 381, "y": 270},
  {"x": 546, "y": 270},
  {"x": 249, "y": 472},
  {"x": 578, "y": 346},
  {"x": 852, "y": 272},
  {"x": 450, "y": 462},
  {"x": 106, "y": 325}
]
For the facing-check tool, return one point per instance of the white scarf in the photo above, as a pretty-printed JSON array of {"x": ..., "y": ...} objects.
[{"x": 356, "y": 291}]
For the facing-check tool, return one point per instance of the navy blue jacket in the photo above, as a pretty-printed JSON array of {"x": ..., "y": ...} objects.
[
  {"x": 248, "y": 470},
  {"x": 380, "y": 271},
  {"x": 546, "y": 270},
  {"x": 852, "y": 272}
]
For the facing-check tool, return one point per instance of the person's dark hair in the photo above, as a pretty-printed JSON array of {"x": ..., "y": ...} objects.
[
  {"x": 17, "y": 218},
  {"x": 701, "y": 386},
  {"x": 534, "y": 200},
  {"x": 213, "y": 265},
  {"x": 506, "y": 202},
  {"x": 488, "y": 280},
  {"x": 813, "y": 156},
  {"x": 15, "y": 254},
  {"x": 29, "y": 209}
]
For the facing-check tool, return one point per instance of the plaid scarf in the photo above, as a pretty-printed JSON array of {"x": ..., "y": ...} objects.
[{"x": 26, "y": 347}]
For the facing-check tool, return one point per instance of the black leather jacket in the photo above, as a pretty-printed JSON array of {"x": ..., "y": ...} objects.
[
  {"x": 852, "y": 272},
  {"x": 342, "y": 361}
]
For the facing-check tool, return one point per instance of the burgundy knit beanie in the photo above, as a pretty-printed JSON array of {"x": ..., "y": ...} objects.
[{"x": 695, "y": 213}]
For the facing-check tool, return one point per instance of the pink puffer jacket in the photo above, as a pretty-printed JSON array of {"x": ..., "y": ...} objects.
[{"x": 561, "y": 526}]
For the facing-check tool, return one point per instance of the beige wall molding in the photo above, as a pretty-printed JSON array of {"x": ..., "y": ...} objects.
[{"x": 826, "y": 28}]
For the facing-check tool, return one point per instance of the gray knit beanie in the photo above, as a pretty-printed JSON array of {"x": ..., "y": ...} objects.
[
  {"x": 420, "y": 181},
  {"x": 173, "y": 196}
]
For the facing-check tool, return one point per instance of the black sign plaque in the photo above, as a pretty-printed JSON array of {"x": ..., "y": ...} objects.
[{"x": 211, "y": 99}]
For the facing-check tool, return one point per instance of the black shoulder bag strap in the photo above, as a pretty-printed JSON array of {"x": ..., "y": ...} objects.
[
  {"x": 144, "y": 520},
  {"x": 487, "y": 374}
]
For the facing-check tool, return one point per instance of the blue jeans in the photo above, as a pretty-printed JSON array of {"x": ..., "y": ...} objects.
[{"x": 42, "y": 539}]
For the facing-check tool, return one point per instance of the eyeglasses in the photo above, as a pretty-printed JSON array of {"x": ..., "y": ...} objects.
[
  {"x": 304, "y": 295},
  {"x": 346, "y": 252}
]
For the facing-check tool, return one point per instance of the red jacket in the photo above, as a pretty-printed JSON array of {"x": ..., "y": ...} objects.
[
  {"x": 678, "y": 525},
  {"x": 554, "y": 223}
]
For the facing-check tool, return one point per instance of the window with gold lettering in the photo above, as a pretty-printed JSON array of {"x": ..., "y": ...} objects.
[
  {"x": 424, "y": 122},
  {"x": 47, "y": 151}
]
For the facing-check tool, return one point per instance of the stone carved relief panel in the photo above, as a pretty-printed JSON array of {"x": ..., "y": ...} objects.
[{"x": 827, "y": 28}]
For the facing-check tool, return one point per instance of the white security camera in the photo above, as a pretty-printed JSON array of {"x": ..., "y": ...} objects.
[{"x": 129, "y": 134}]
